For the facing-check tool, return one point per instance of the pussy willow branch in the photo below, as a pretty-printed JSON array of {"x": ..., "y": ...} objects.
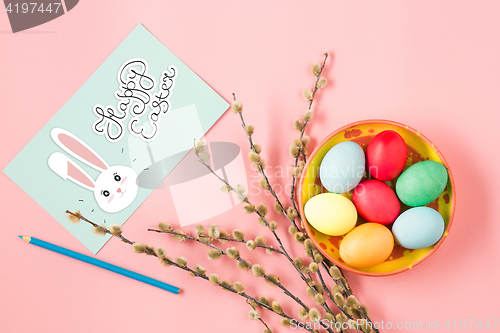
[
  {"x": 294, "y": 180},
  {"x": 263, "y": 173},
  {"x": 240, "y": 259},
  {"x": 292, "y": 193},
  {"x": 261, "y": 169},
  {"x": 244, "y": 241},
  {"x": 349, "y": 292},
  {"x": 260, "y": 319},
  {"x": 325, "y": 287},
  {"x": 187, "y": 269},
  {"x": 123, "y": 239},
  {"x": 346, "y": 289},
  {"x": 245, "y": 199}
]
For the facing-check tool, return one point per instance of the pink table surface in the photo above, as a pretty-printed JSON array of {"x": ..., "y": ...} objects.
[{"x": 433, "y": 65}]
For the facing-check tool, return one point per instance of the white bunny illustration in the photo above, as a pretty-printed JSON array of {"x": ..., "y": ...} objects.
[{"x": 114, "y": 189}]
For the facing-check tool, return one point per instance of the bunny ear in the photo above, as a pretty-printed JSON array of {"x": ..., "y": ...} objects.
[
  {"x": 79, "y": 149},
  {"x": 67, "y": 169}
]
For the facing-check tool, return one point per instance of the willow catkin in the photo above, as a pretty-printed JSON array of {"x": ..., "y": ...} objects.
[
  {"x": 139, "y": 248},
  {"x": 303, "y": 313},
  {"x": 214, "y": 279},
  {"x": 314, "y": 315},
  {"x": 200, "y": 269},
  {"x": 249, "y": 209},
  {"x": 273, "y": 225},
  {"x": 319, "y": 299},
  {"x": 160, "y": 252},
  {"x": 253, "y": 157},
  {"x": 276, "y": 306},
  {"x": 213, "y": 231},
  {"x": 277, "y": 207},
  {"x": 258, "y": 270},
  {"x": 165, "y": 226},
  {"x": 353, "y": 302},
  {"x": 237, "y": 107},
  {"x": 308, "y": 245},
  {"x": 338, "y": 299},
  {"x": 315, "y": 69},
  {"x": 100, "y": 230},
  {"x": 335, "y": 272},
  {"x": 253, "y": 315},
  {"x": 264, "y": 300},
  {"x": 233, "y": 253},
  {"x": 262, "y": 209},
  {"x": 307, "y": 94},
  {"x": 238, "y": 235},
  {"x": 74, "y": 219},
  {"x": 214, "y": 254},
  {"x": 181, "y": 261},
  {"x": 272, "y": 279},
  {"x": 298, "y": 262},
  {"x": 298, "y": 125},
  {"x": 259, "y": 240},
  {"x": 285, "y": 322},
  {"x": 307, "y": 116},
  {"x": 249, "y": 129},
  {"x": 243, "y": 265},
  {"x": 199, "y": 146},
  {"x": 322, "y": 82},
  {"x": 250, "y": 245}
]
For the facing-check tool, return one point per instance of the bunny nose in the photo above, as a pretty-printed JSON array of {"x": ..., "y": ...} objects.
[{"x": 119, "y": 190}]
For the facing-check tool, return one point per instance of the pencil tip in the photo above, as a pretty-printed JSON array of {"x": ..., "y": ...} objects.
[{"x": 25, "y": 238}]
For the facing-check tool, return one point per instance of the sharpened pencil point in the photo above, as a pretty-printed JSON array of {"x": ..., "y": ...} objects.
[{"x": 25, "y": 238}]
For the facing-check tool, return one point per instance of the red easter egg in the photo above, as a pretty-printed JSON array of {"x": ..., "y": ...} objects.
[
  {"x": 386, "y": 155},
  {"x": 376, "y": 202}
]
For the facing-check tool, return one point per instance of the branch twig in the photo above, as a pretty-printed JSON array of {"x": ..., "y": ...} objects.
[
  {"x": 240, "y": 259},
  {"x": 188, "y": 269}
]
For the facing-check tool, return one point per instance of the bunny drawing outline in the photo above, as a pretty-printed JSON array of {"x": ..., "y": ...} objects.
[{"x": 115, "y": 188}]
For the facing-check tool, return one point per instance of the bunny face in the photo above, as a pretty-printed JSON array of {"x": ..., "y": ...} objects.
[{"x": 116, "y": 188}]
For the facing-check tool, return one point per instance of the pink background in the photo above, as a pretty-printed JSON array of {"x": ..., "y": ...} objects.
[{"x": 433, "y": 65}]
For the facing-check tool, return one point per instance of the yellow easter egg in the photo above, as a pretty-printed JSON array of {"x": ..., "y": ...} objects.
[{"x": 331, "y": 213}]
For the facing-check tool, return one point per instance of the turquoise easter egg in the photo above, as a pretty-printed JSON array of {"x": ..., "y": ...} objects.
[
  {"x": 342, "y": 167},
  {"x": 418, "y": 228},
  {"x": 421, "y": 183}
]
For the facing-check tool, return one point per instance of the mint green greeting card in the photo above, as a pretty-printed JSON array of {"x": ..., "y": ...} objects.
[{"x": 118, "y": 137}]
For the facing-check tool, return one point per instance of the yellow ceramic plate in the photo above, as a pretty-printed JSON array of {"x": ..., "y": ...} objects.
[{"x": 419, "y": 149}]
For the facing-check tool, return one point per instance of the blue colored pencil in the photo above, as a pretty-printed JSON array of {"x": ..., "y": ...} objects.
[{"x": 99, "y": 263}]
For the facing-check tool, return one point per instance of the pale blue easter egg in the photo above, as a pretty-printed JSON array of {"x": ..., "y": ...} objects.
[
  {"x": 342, "y": 167},
  {"x": 418, "y": 228}
]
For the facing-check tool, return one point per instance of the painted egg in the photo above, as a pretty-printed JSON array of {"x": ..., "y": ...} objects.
[
  {"x": 386, "y": 155},
  {"x": 421, "y": 183},
  {"x": 376, "y": 202},
  {"x": 418, "y": 228},
  {"x": 331, "y": 213},
  {"x": 366, "y": 245},
  {"x": 342, "y": 167}
]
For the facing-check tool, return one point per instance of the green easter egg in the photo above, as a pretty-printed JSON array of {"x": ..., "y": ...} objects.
[{"x": 421, "y": 183}]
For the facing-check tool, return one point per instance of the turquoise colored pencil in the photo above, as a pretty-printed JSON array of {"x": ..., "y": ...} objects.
[{"x": 100, "y": 263}]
